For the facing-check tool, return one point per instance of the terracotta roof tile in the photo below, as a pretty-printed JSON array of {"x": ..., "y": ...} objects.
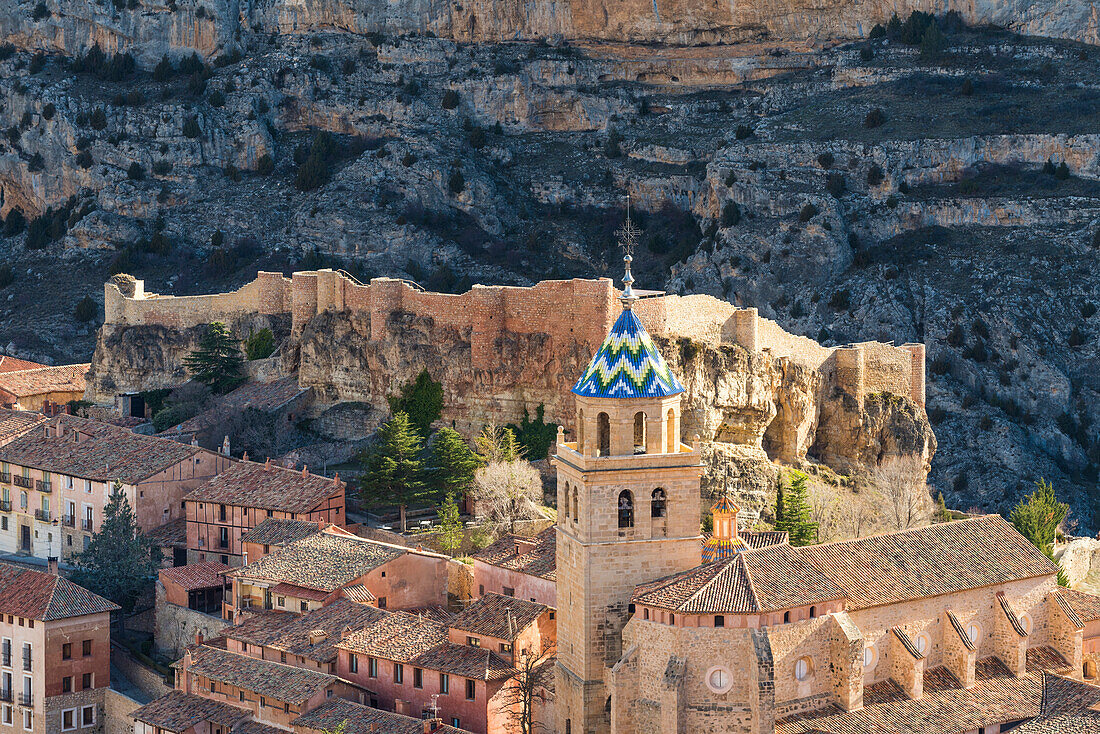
[
  {"x": 907, "y": 642},
  {"x": 1086, "y": 606},
  {"x": 768, "y": 579},
  {"x": 956, "y": 625},
  {"x": 44, "y": 596},
  {"x": 885, "y": 569},
  {"x": 540, "y": 561},
  {"x": 42, "y": 380},
  {"x": 358, "y": 719},
  {"x": 17, "y": 422},
  {"x": 273, "y": 531},
  {"x": 763, "y": 538},
  {"x": 1046, "y": 658},
  {"x": 494, "y": 615},
  {"x": 1010, "y": 613},
  {"x": 1069, "y": 611},
  {"x": 267, "y": 486},
  {"x": 102, "y": 453},
  {"x": 423, "y": 643},
  {"x": 1069, "y": 707},
  {"x": 299, "y": 592},
  {"x": 264, "y": 677},
  {"x": 290, "y": 633},
  {"x": 206, "y": 575},
  {"x": 324, "y": 561},
  {"x": 12, "y": 364},
  {"x": 262, "y": 396},
  {"x": 170, "y": 533},
  {"x": 946, "y": 708},
  {"x": 177, "y": 712}
]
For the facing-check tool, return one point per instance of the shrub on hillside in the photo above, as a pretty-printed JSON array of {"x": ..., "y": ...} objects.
[
  {"x": 874, "y": 118},
  {"x": 85, "y": 310},
  {"x": 450, "y": 100}
]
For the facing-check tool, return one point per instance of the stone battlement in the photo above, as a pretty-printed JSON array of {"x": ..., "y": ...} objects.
[{"x": 577, "y": 312}]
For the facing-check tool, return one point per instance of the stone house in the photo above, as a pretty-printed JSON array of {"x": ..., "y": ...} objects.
[
  {"x": 56, "y": 479},
  {"x": 47, "y": 390},
  {"x": 519, "y": 566},
  {"x": 313, "y": 571},
  {"x": 188, "y": 604},
  {"x": 55, "y": 653},
  {"x": 220, "y": 511}
]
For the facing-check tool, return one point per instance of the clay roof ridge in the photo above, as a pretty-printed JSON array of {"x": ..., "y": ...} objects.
[
  {"x": 907, "y": 642},
  {"x": 1013, "y": 618},
  {"x": 1068, "y": 610},
  {"x": 957, "y": 626},
  {"x": 918, "y": 530}
]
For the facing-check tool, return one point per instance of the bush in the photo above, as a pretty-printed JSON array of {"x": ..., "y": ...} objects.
[
  {"x": 232, "y": 172},
  {"x": 1048, "y": 167},
  {"x": 966, "y": 89},
  {"x": 743, "y": 131},
  {"x": 37, "y": 163},
  {"x": 311, "y": 174},
  {"x": 41, "y": 12},
  {"x": 731, "y": 214},
  {"x": 38, "y": 63},
  {"x": 7, "y": 275},
  {"x": 477, "y": 138},
  {"x": 807, "y": 213},
  {"x": 86, "y": 310},
  {"x": 173, "y": 415},
  {"x": 260, "y": 344},
  {"x": 162, "y": 167},
  {"x": 136, "y": 172},
  {"x": 836, "y": 184},
  {"x": 450, "y": 100},
  {"x": 866, "y": 53},
  {"x": 875, "y": 176},
  {"x": 841, "y": 300},
  {"x": 84, "y": 159},
  {"x": 457, "y": 182},
  {"x": 265, "y": 165},
  {"x": 163, "y": 70},
  {"x": 612, "y": 148},
  {"x": 408, "y": 159},
  {"x": 191, "y": 128},
  {"x": 98, "y": 120},
  {"x": 826, "y": 160},
  {"x": 216, "y": 98},
  {"x": 1076, "y": 337},
  {"x": 1062, "y": 172},
  {"x": 956, "y": 337},
  {"x": 49, "y": 111},
  {"x": 874, "y": 118}
]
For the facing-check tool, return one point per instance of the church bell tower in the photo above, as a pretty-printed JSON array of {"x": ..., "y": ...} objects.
[{"x": 628, "y": 507}]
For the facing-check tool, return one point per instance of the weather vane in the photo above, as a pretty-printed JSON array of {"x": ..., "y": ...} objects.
[{"x": 628, "y": 240}]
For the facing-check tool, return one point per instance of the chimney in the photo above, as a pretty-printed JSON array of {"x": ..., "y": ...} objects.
[
  {"x": 432, "y": 725},
  {"x": 194, "y": 441},
  {"x": 51, "y": 565},
  {"x": 305, "y": 470},
  {"x": 244, "y": 456},
  {"x": 336, "y": 479},
  {"x": 225, "y": 445},
  {"x": 198, "y": 638},
  {"x": 373, "y": 726},
  {"x": 267, "y": 464}
]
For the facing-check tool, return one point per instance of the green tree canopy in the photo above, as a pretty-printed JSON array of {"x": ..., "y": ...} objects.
[
  {"x": 496, "y": 443},
  {"x": 392, "y": 471},
  {"x": 450, "y": 525},
  {"x": 451, "y": 463},
  {"x": 796, "y": 512},
  {"x": 1037, "y": 518},
  {"x": 217, "y": 362},
  {"x": 535, "y": 436},
  {"x": 422, "y": 401},
  {"x": 120, "y": 563}
]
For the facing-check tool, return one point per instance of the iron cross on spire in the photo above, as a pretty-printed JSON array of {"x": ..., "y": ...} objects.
[{"x": 628, "y": 240}]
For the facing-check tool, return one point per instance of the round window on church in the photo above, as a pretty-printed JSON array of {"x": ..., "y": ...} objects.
[
  {"x": 974, "y": 632},
  {"x": 1026, "y": 623},
  {"x": 870, "y": 657},
  {"x": 803, "y": 668},
  {"x": 719, "y": 679},
  {"x": 923, "y": 643}
]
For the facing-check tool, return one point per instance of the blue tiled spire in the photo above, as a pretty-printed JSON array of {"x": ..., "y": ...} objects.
[{"x": 628, "y": 365}]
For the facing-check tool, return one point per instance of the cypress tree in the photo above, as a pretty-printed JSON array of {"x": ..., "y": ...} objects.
[
  {"x": 120, "y": 562},
  {"x": 217, "y": 361},
  {"x": 450, "y": 525},
  {"x": 1037, "y": 518},
  {"x": 780, "y": 506},
  {"x": 392, "y": 471},
  {"x": 796, "y": 512},
  {"x": 422, "y": 401},
  {"x": 451, "y": 463}
]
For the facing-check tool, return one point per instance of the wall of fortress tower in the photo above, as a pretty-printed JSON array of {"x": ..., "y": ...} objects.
[{"x": 568, "y": 311}]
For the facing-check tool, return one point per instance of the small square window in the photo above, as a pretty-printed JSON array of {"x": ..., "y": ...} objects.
[
  {"x": 87, "y": 716},
  {"x": 67, "y": 684},
  {"x": 86, "y": 681},
  {"x": 473, "y": 641},
  {"x": 304, "y": 606},
  {"x": 471, "y": 690},
  {"x": 67, "y": 651}
]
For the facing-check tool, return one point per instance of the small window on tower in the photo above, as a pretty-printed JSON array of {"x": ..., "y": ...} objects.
[
  {"x": 626, "y": 509},
  {"x": 657, "y": 503}
]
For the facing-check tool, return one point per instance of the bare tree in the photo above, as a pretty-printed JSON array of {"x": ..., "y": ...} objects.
[
  {"x": 901, "y": 484},
  {"x": 528, "y": 688},
  {"x": 825, "y": 510},
  {"x": 507, "y": 491}
]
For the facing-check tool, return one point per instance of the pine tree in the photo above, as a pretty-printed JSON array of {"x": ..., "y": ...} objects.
[
  {"x": 451, "y": 463},
  {"x": 1037, "y": 518},
  {"x": 780, "y": 506},
  {"x": 796, "y": 513},
  {"x": 392, "y": 471},
  {"x": 450, "y": 525},
  {"x": 120, "y": 563},
  {"x": 422, "y": 401},
  {"x": 496, "y": 444},
  {"x": 942, "y": 515},
  {"x": 217, "y": 361}
]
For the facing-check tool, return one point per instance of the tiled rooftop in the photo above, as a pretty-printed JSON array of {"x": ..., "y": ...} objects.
[
  {"x": 946, "y": 707},
  {"x": 290, "y": 633},
  {"x": 42, "y": 380},
  {"x": 266, "y": 486},
  {"x": 324, "y": 561},
  {"x": 359, "y": 719},
  {"x": 177, "y": 712},
  {"x": 266, "y": 678},
  {"x": 1069, "y": 707},
  {"x": 540, "y": 561},
  {"x": 262, "y": 396},
  {"x": 16, "y": 422},
  {"x": 170, "y": 533},
  {"x": 12, "y": 364},
  {"x": 274, "y": 531},
  {"x": 44, "y": 596},
  {"x": 420, "y": 642},
  {"x": 102, "y": 453},
  {"x": 914, "y": 564},
  {"x": 763, "y": 538},
  {"x": 1086, "y": 606},
  {"x": 768, "y": 579},
  {"x": 206, "y": 575},
  {"x": 493, "y": 615}
]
